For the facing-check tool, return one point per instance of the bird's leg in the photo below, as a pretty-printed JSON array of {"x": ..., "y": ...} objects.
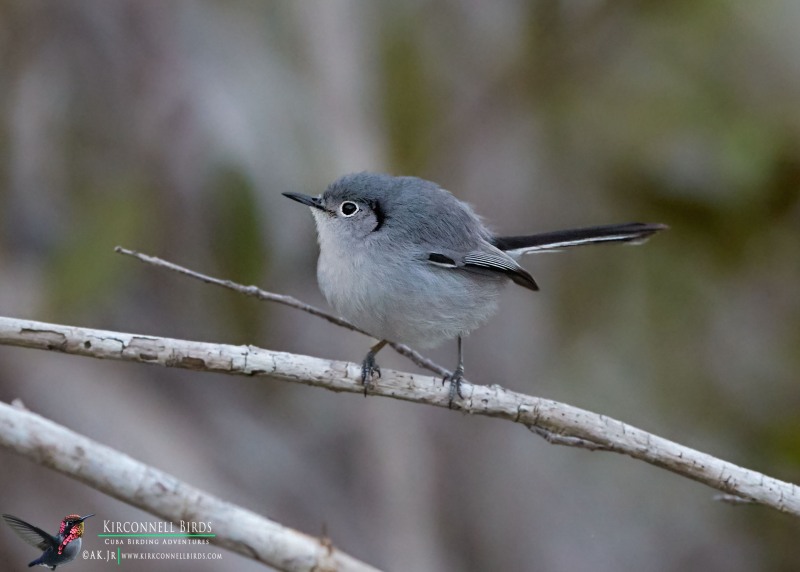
[
  {"x": 455, "y": 377},
  {"x": 369, "y": 367}
]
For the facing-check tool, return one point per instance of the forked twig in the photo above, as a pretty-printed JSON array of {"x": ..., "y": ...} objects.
[{"x": 292, "y": 302}]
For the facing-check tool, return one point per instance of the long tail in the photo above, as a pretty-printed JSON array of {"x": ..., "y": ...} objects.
[{"x": 631, "y": 232}]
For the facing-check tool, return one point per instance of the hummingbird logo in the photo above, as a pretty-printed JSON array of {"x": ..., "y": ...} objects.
[{"x": 58, "y": 549}]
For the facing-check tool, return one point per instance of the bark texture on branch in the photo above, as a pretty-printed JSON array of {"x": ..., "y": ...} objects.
[
  {"x": 161, "y": 494},
  {"x": 492, "y": 401}
]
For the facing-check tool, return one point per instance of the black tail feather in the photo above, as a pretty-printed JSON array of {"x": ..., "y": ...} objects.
[{"x": 633, "y": 232}]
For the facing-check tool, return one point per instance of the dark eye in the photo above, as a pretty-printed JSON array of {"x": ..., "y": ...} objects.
[{"x": 348, "y": 208}]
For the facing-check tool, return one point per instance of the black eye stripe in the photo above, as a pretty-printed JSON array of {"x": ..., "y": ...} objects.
[{"x": 380, "y": 216}]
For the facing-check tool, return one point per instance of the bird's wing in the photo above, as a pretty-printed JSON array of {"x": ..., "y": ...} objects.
[
  {"x": 33, "y": 535},
  {"x": 632, "y": 232},
  {"x": 490, "y": 259}
]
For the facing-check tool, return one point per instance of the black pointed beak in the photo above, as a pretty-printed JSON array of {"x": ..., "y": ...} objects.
[
  {"x": 81, "y": 519},
  {"x": 314, "y": 202}
]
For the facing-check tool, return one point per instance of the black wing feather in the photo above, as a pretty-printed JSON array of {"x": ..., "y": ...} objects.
[
  {"x": 503, "y": 264},
  {"x": 487, "y": 262},
  {"x": 33, "y": 535}
]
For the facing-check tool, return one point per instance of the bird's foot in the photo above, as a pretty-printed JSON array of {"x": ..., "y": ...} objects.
[
  {"x": 369, "y": 369},
  {"x": 455, "y": 379}
]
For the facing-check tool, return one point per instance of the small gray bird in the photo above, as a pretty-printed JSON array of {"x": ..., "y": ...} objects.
[{"x": 406, "y": 261}]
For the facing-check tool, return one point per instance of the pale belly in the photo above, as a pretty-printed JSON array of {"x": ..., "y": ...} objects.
[{"x": 422, "y": 306}]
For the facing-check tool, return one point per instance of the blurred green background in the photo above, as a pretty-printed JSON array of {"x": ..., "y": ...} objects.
[{"x": 173, "y": 127}]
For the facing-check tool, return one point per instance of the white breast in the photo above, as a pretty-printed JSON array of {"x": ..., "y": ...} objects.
[{"x": 405, "y": 299}]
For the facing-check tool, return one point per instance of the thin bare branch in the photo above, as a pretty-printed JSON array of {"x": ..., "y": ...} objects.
[
  {"x": 491, "y": 401},
  {"x": 163, "y": 495},
  {"x": 290, "y": 301}
]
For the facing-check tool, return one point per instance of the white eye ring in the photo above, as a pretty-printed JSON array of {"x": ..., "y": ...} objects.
[{"x": 348, "y": 208}]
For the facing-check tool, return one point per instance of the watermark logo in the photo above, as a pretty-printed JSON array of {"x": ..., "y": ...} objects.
[
  {"x": 130, "y": 537},
  {"x": 123, "y": 540}
]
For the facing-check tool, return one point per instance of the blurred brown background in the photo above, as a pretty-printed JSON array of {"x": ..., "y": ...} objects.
[{"x": 173, "y": 127}]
